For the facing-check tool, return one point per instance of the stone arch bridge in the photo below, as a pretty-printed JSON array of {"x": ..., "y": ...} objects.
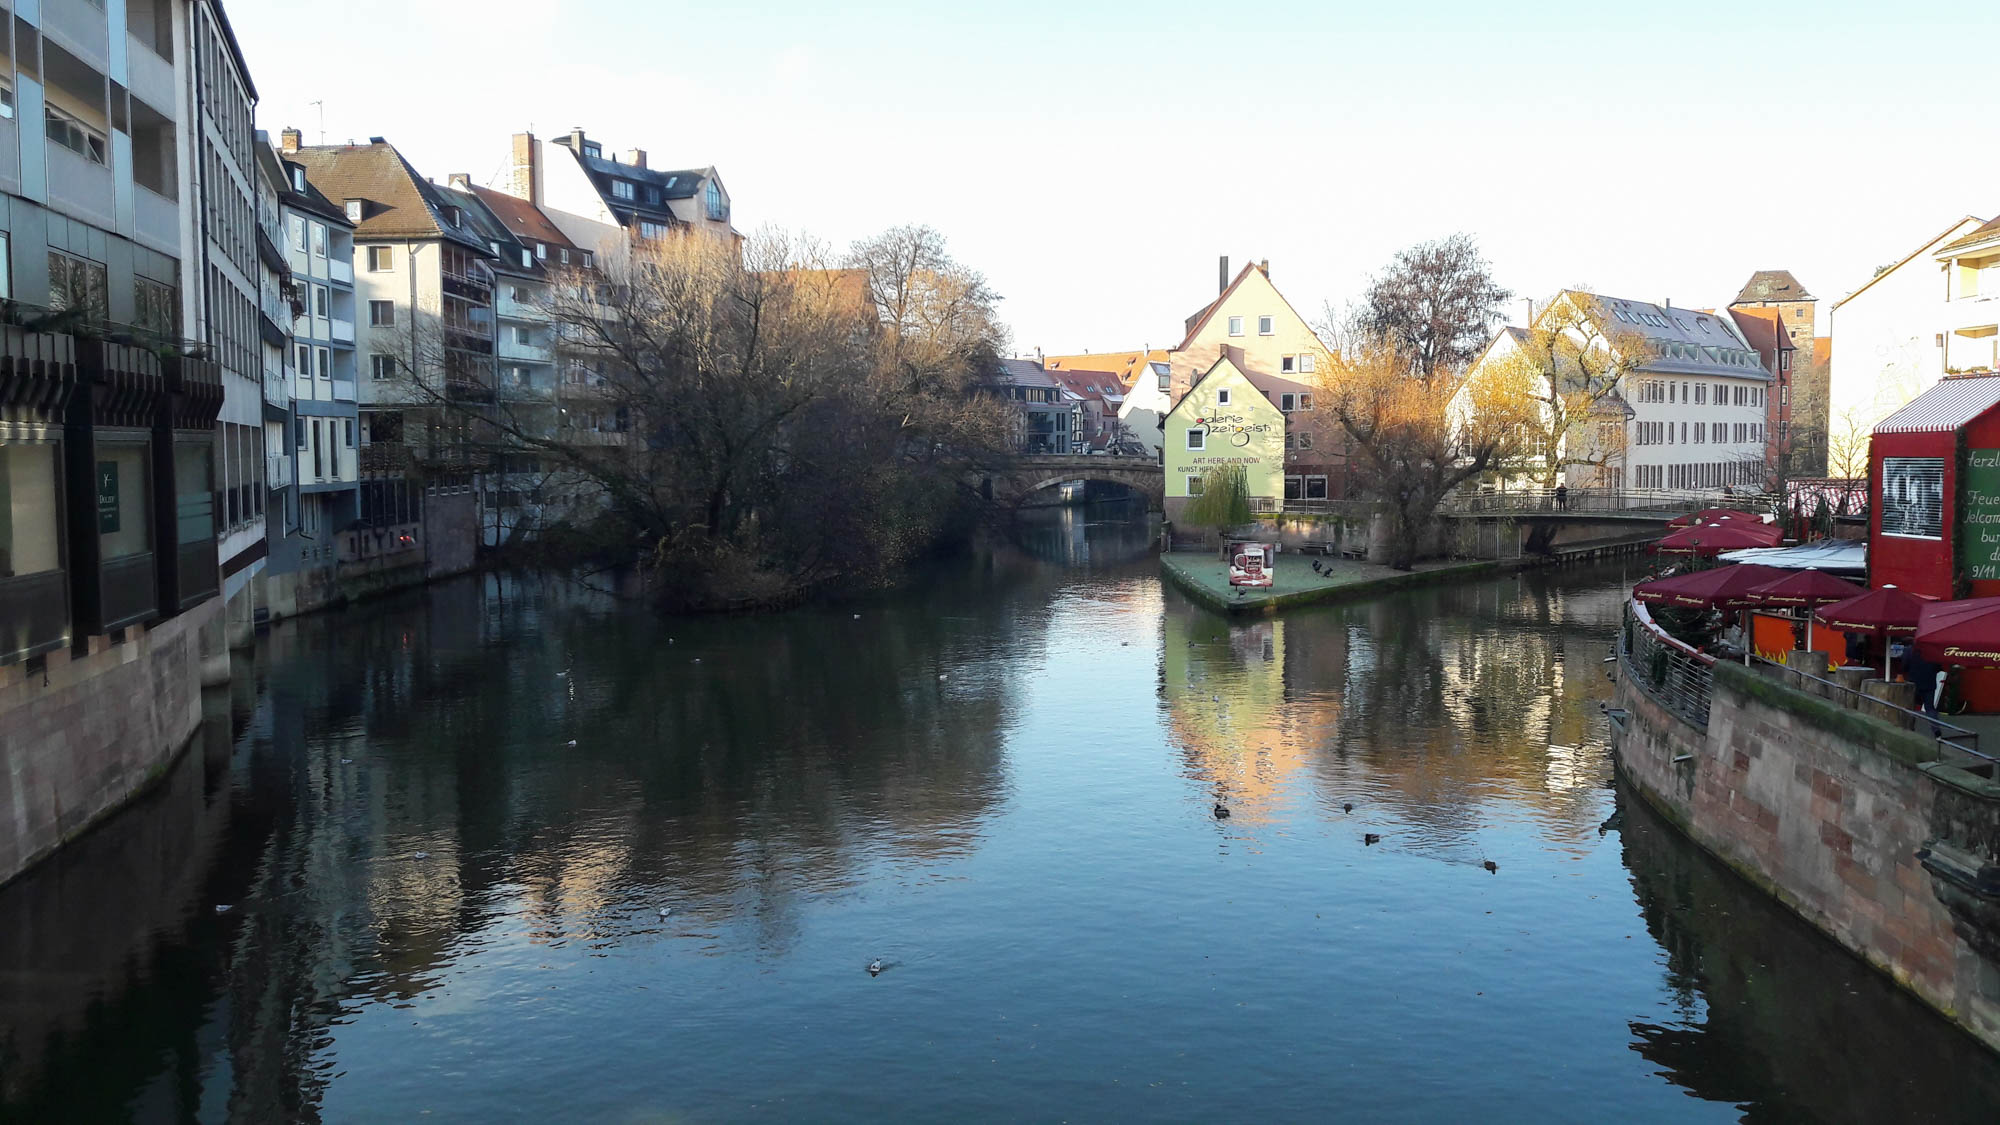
[{"x": 1025, "y": 480}]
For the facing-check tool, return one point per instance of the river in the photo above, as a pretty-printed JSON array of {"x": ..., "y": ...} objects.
[{"x": 415, "y": 868}]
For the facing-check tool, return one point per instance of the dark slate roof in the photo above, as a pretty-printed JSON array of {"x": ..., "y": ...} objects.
[
  {"x": 401, "y": 204},
  {"x": 1773, "y": 285},
  {"x": 602, "y": 171},
  {"x": 1683, "y": 341},
  {"x": 1024, "y": 373}
]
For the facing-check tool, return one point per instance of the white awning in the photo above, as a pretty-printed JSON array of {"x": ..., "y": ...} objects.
[
  {"x": 1945, "y": 407},
  {"x": 1846, "y": 556}
]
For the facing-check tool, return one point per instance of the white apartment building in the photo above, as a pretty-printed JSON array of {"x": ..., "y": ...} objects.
[
  {"x": 225, "y": 279},
  {"x": 1689, "y": 408},
  {"x": 1903, "y": 329}
]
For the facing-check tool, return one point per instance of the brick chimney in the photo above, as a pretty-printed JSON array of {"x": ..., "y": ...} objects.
[
  {"x": 636, "y": 157},
  {"x": 522, "y": 178},
  {"x": 1264, "y": 267},
  {"x": 289, "y": 140},
  {"x": 1222, "y": 274}
]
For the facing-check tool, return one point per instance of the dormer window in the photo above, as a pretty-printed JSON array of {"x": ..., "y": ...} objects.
[
  {"x": 621, "y": 189},
  {"x": 542, "y": 251},
  {"x": 354, "y": 209},
  {"x": 589, "y": 259},
  {"x": 593, "y": 150},
  {"x": 718, "y": 207},
  {"x": 298, "y": 178}
]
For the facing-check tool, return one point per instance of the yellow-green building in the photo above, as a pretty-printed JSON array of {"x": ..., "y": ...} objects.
[{"x": 1223, "y": 420}]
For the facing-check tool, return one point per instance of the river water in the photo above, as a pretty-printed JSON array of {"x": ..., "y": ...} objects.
[{"x": 444, "y": 827}]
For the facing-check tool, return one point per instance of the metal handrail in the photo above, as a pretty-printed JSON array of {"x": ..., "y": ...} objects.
[
  {"x": 1961, "y": 739},
  {"x": 1649, "y": 500},
  {"x": 1674, "y": 674}
]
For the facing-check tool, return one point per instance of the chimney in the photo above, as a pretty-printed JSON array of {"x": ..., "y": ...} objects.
[
  {"x": 289, "y": 140},
  {"x": 521, "y": 177},
  {"x": 1264, "y": 267},
  {"x": 1222, "y": 274},
  {"x": 1039, "y": 361},
  {"x": 576, "y": 140},
  {"x": 636, "y": 157}
]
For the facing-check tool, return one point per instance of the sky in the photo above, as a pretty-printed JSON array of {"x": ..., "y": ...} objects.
[{"x": 1094, "y": 160}]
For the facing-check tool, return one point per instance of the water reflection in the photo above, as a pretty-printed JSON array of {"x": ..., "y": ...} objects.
[
  {"x": 1088, "y": 536},
  {"x": 446, "y": 827}
]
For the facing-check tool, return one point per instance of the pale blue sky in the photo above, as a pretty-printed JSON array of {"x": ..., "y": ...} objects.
[{"x": 1095, "y": 159}]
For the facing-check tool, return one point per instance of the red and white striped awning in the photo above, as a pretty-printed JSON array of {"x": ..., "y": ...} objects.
[{"x": 1945, "y": 407}]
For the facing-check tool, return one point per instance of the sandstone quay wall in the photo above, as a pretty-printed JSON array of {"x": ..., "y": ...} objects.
[
  {"x": 87, "y": 733},
  {"x": 1842, "y": 817}
]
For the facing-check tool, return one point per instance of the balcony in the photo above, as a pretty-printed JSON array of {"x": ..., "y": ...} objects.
[
  {"x": 467, "y": 338},
  {"x": 461, "y": 389},
  {"x": 157, "y": 219},
  {"x": 470, "y": 287},
  {"x": 82, "y": 186},
  {"x": 151, "y": 77},
  {"x": 343, "y": 331},
  {"x": 341, "y": 271},
  {"x": 277, "y": 471}
]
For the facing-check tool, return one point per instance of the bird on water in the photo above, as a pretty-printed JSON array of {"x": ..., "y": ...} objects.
[
  {"x": 875, "y": 967},
  {"x": 1221, "y": 811},
  {"x": 1490, "y": 866},
  {"x": 1371, "y": 838}
]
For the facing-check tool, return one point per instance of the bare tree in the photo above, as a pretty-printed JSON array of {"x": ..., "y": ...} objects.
[
  {"x": 1407, "y": 447},
  {"x": 1437, "y": 302}
]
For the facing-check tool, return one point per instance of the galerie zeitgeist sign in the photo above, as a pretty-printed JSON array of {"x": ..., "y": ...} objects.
[{"x": 1982, "y": 514}]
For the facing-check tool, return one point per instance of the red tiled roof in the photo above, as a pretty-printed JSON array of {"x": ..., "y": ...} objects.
[{"x": 523, "y": 219}]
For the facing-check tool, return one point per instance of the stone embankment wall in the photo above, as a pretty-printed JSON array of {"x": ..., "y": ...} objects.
[
  {"x": 1844, "y": 818},
  {"x": 83, "y": 735}
]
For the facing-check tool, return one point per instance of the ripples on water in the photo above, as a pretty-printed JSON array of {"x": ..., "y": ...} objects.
[{"x": 1000, "y": 784}]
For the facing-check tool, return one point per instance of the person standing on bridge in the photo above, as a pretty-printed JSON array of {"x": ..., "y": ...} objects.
[{"x": 1562, "y": 498}]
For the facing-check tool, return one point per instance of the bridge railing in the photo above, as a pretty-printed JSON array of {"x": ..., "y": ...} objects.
[{"x": 1642, "y": 501}]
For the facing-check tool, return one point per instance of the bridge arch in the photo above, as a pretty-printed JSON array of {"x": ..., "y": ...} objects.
[{"x": 1011, "y": 484}]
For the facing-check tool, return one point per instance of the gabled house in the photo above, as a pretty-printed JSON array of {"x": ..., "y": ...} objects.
[
  {"x": 604, "y": 201},
  {"x": 1766, "y": 331},
  {"x": 1147, "y": 400},
  {"x": 1099, "y": 394},
  {"x": 1892, "y": 332},
  {"x": 1224, "y": 418}
]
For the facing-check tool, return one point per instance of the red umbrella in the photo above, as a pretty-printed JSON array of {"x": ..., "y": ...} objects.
[
  {"x": 1963, "y": 632},
  {"x": 1711, "y": 539},
  {"x": 1805, "y": 589},
  {"x": 1724, "y": 587},
  {"x": 1715, "y": 515},
  {"x": 1881, "y": 612}
]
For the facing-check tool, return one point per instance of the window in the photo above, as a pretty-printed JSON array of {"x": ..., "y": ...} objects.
[
  {"x": 381, "y": 259},
  {"x": 520, "y": 295},
  {"x": 382, "y": 367},
  {"x": 1197, "y": 438},
  {"x": 1236, "y": 326},
  {"x": 1305, "y": 361},
  {"x": 1294, "y": 488},
  {"x": 718, "y": 207},
  {"x": 1305, "y": 400},
  {"x": 1264, "y": 326},
  {"x": 7, "y": 96},
  {"x": 1166, "y": 380},
  {"x": 76, "y": 283},
  {"x": 1316, "y": 488},
  {"x": 652, "y": 230},
  {"x": 1287, "y": 364},
  {"x": 621, "y": 189},
  {"x": 563, "y": 256},
  {"x": 156, "y": 306},
  {"x": 354, "y": 210},
  {"x": 1291, "y": 441},
  {"x": 1305, "y": 441},
  {"x": 74, "y": 135},
  {"x": 523, "y": 334},
  {"x": 304, "y": 365},
  {"x": 382, "y": 314},
  {"x": 1288, "y": 402},
  {"x": 319, "y": 240},
  {"x": 1194, "y": 485},
  {"x": 299, "y": 425},
  {"x": 321, "y": 298},
  {"x": 1222, "y": 397},
  {"x": 589, "y": 259},
  {"x": 323, "y": 362},
  {"x": 593, "y": 150},
  {"x": 541, "y": 251},
  {"x": 1913, "y": 497},
  {"x": 296, "y": 227}
]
